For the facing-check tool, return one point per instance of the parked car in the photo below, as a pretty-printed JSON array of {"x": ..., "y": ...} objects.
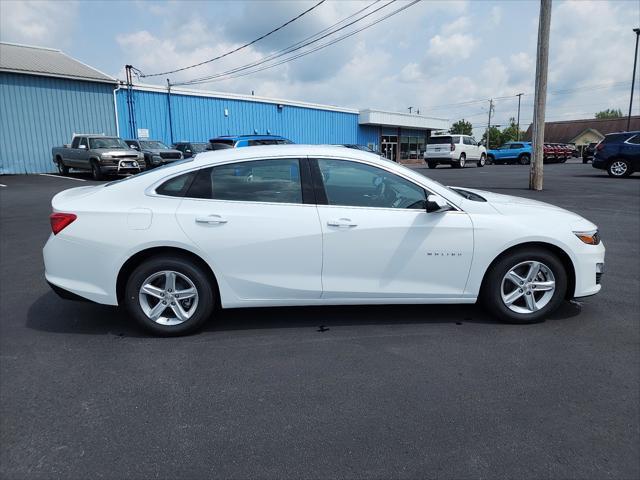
[
  {"x": 100, "y": 154},
  {"x": 618, "y": 154},
  {"x": 454, "y": 150},
  {"x": 588, "y": 151},
  {"x": 564, "y": 152},
  {"x": 550, "y": 152},
  {"x": 234, "y": 229},
  {"x": 237, "y": 141},
  {"x": 190, "y": 149},
  {"x": 511, "y": 152},
  {"x": 574, "y": 150},
  {"x": 155, "y": 152}
]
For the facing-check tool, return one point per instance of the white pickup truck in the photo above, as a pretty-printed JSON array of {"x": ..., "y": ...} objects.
[{"x": 100, "y": 154}]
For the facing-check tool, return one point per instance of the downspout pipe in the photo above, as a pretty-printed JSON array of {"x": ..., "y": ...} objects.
[{"x": 115, "y": 108}]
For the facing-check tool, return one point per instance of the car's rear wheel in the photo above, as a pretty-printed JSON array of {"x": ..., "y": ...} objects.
[
  {"x": 461, "y": 161},
  {"x": 490, "y": 160},
  {"x": 482, "y": 161},
  {"x": 432, "y": 164},
  {"x": 619, "y": 168},
  {"x": 169, "y": 295},
  {"x": 524, "y": 159},
  {"x": 62, "y": 168},
  {"x": 525, "y": 286},
  {"x": 96, "y": 171}
]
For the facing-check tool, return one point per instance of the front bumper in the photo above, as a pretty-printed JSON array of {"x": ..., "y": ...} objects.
[{"x": 589, "y": 268}]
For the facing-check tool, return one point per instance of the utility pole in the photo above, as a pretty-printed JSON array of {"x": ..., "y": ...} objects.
[
  {"x": 518, "y": 132},
  {"x": 409, "y": 108},
  {"x": 169, "y": 110},
  {"x": 487, "y": 146},
  {"x": 633, "y": 80},
  {"x": 542, "y": 65}
]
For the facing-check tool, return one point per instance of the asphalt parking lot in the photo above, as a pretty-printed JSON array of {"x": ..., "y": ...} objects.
[{"x": 385, "y": 392}]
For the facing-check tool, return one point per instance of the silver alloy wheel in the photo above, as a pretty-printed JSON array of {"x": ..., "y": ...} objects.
[
  {"x": 618, "y": 168},
  {"x": 168, "y": 297},
  {"x": 528, "y": 287},
  {"x": 462, "y": 161},
  {"x": 483, "y": 160}
]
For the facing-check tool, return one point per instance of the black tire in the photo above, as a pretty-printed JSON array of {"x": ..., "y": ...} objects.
[
  {"x": 482, "y": 161},
  {"x": 491, "y": 293},
  {"x": 491, "y": 160},
  {"x": 62, "y": 168},
  {"x": 584, "y": 160},
  {"x": 524, "y": 159},
  {"x": 184, "y": 266},
  {"x": 96, "y": 171},
  {"x": 432, "y": 164},
  {"x": 462, "y": 161},
  {"x": 619, "y": 168}
]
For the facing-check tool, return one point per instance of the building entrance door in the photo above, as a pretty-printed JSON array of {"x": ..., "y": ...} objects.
[{"x": 389, "y": 147}]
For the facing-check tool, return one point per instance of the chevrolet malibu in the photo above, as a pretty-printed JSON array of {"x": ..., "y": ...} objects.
[{"x": 311, "y": 225}]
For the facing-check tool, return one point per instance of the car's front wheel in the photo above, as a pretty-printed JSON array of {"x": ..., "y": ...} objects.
[
  {"x": 525, "y": 286},
  {"x": 619, "y": 168},
  {"x": 482, "y": 161},
  {"x": 170, "y": 295},
  {"x": 96, "y": 171},
  {"x": 62, "y": 168}
]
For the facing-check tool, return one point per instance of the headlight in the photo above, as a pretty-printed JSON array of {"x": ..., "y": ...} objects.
[{"x": 590, "y": 238}]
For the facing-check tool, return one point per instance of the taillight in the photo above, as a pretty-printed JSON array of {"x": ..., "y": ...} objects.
[
  {"x": 453, "y": 147},
  {"x": 59, "y": 221},
  {"x": 599, "y": 146}
]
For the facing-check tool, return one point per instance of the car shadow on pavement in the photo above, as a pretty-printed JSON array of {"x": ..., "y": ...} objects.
[{"x": 52, "y": 314}]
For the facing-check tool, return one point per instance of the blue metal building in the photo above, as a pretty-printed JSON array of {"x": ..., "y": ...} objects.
[{"x": 47, "y": 96}]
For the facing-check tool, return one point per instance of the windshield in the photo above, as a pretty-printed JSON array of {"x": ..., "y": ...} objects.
[
  {"x": 107, "y": 142},
  {"x": 199, "y": 147},
  {"x": 153, "y": 145}
]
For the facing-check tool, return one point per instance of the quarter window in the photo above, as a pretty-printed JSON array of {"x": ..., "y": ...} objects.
[
  {"x": 176, "y": 186},
  {"x": 276, "y": 181},
  {"x": 634, "y": 140},
  {"x": 356, "y": 184}
]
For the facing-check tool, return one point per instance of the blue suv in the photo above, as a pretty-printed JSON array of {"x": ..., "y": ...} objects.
[
  {"x": 237, "y": 141},
  {"x": 511, "y": 152},
  {"x": 618, "y": 154}
]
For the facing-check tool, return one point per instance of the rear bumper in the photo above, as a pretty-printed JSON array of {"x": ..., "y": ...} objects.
[{"x": 599, "y": 163}]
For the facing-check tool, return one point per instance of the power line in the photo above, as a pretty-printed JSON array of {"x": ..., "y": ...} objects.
[
  {"x": 234, "y": 72},
  {"x": 240, "y": 47}
]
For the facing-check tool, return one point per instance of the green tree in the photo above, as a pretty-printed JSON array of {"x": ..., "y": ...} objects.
[
  {"x": 462, "y": 127},
  {"x": 495, "y": 138},
  {"x": 609, "y": 113},
  {"x": 510, "y": 133}
]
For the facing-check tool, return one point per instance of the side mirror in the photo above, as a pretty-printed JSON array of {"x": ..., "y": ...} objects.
[
  {"x": 82, "y": 147},
  {"x": 187, "y": 151},
  {"x": 437, "y": 204}
]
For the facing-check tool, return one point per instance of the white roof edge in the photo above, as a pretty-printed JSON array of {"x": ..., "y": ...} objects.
[
  {"x": 240, "y": 96},
  {"x": 57, "y": 75},
  {"x": 113, "y": 79},
  {"x": 15, "y": 44},
  {"x": 402, "y": 114}
]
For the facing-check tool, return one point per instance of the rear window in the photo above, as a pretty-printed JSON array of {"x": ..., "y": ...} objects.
[
  {"x": 268, "y": 141},
  {"x": 440, "y": 140},
  {"x": 616, "y": 137}
]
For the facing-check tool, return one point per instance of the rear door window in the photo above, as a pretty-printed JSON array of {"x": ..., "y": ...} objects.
[
  {"x": 516, "y": 146},
  {"x": 273, "y": 181},
  {"x": 634, "y": 140}
]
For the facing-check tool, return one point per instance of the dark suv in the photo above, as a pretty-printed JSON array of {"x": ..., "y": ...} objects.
[{"x": 618, "y": 154}]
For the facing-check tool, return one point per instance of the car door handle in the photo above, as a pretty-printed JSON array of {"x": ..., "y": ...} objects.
[
  {"x": 342, "y": 223},
  {"x": 211, "y": 220}
]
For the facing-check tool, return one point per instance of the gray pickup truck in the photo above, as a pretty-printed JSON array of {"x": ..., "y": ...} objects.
[{"x": 100, "y": 154}]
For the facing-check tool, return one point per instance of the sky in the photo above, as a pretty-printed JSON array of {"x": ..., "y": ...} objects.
[{"x": 445, "y": 59}]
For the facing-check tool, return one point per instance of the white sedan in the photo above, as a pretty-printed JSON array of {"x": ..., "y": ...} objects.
[{"x": 311, "y": 225}]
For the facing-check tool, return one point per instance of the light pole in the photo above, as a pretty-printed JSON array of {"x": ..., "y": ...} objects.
[{"x": 633, "y": 80}]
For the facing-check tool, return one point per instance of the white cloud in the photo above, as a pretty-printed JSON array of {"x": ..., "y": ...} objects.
[
  {"x": 38, "y": 22},
  {"x": 496, "y": 16},
  {"x": 455, "y": 47}
]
